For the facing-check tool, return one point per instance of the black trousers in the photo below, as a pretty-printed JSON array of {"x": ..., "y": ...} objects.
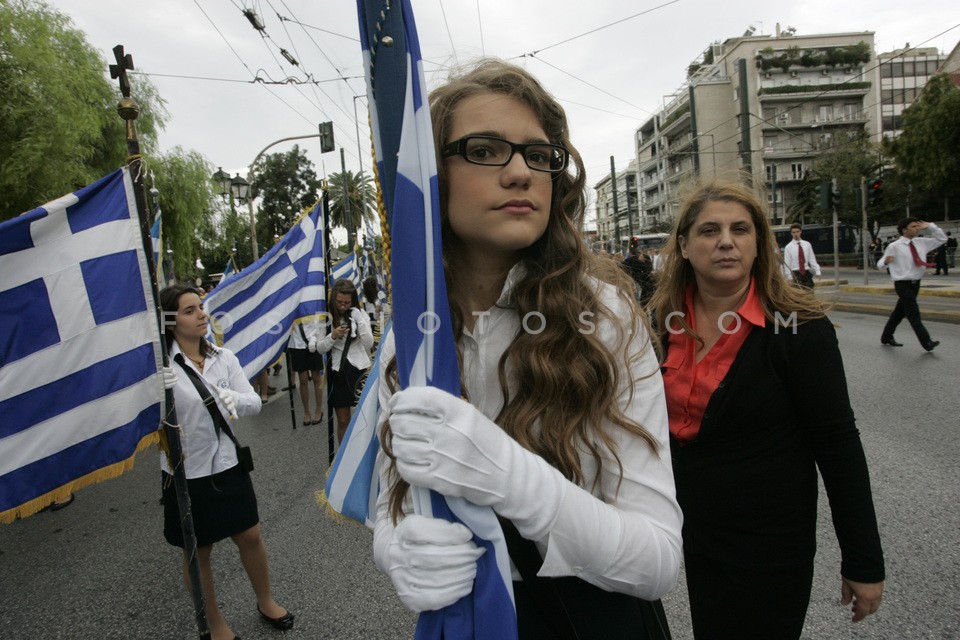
[
  {"x": 907, "y": 291},
  {"x": 804, "y": 279}
]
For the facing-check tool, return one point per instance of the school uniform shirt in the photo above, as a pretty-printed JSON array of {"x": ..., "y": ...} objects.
[
  {"x": 641, "y": 556},
  {"x": 791, "y": 256},
  {"x": 204, "y": 453},
  {"x": 360, "y": 344},
  {"x": 903, "y": 266},
  {"x": 311, "y": 327}
]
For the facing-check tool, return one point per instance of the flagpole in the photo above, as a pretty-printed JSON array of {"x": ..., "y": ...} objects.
[
  {"x": 129, "y": 110},
  {"x": 326, "y": 283}
]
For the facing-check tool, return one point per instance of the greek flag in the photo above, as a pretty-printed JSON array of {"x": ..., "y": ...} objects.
[
  {"x": 156, "y": 238},
  {"x": 79, "y": 346},
  {"x": 252, "y": 312},
  {"x": 228, "y": 271},
  {"x": 352, "y": 485},
  {"x": 403, "y": 140},
  {"x": 346, "y": 269}
]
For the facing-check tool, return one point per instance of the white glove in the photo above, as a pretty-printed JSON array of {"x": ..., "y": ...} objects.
[
  {"x": 229, "y": 398},
  {"x": 170, "y": 377},
  {"x": 312, "y": 345},
  {"x": 444, "y": 443},
  {"x": 431, "y": 562}
]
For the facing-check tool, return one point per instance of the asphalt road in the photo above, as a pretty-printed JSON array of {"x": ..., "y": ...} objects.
[{"x": 101, "y": 569}]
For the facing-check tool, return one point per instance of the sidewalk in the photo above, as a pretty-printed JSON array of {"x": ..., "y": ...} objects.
[{"x": 932, "y": 288}]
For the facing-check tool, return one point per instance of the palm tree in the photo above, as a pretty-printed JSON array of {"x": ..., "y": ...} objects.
[{"x": 362, "y": 196}]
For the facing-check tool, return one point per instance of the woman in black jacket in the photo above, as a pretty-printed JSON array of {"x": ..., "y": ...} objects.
[{"x": 757, "y": 402}]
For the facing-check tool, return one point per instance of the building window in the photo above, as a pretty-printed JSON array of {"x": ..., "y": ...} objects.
[
  {"x": 771, "y": 172},
  {"x": 896, "y": 69},
  {"x": 825, "y": 113},
  {"x": 886, "y": 96},
  {"x": 886, "y": 71},
  {"x": 851, "y": 111},
  {"x": 797, "y": 170}
]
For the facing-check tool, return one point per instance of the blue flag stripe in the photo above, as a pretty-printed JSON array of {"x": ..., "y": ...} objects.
[
  {"x": 98, "y": 380},
  {"x": 45, "y": 475}
]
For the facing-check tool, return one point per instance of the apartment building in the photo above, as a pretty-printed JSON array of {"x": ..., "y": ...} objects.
[
  {"x": 903, "y": 74},
  {"x": 625, "y": 218},
  {"x": 767, "y": 104}
]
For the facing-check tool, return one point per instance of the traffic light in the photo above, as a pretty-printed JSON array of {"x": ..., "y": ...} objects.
[
  {"x": 834, "y": 195},
  {"x": 823, "y": 191},
  {"x": 326, "y": 137},
  {"x": 874, "y": 192}
]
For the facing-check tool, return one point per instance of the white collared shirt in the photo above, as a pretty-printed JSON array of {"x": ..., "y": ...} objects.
[
  {"x": 204, "y": 453},
  {"x": 359, "y": 353},
  {"x": 311, "y": 328},
  {"x": 903, "y": 267},
  {"x": 791, "y": 256},
  {"x": 645, "y": 542}
]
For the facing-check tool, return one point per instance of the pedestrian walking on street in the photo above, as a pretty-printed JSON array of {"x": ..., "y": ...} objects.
[
  {"x": 223, "y": 502},
  {"x": 756, "y": 404},
  {"x": 951, "y": 246},
  {"x": 799, "y": 257},
  {"x": 563, "y": 430},
  {"x": 940, "y": 260},
  {"x": 904, "y": 260}
]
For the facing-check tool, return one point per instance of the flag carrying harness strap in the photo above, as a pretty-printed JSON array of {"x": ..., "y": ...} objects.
[{"x": 244, "y": 455}]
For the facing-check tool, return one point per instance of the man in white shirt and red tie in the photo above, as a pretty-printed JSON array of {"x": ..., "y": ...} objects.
[
  {"x": 905, "y": 259},
  {"x": 799, "y": 257}
]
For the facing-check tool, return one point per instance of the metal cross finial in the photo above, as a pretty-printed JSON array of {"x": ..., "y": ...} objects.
[{"x": 119, "y": 70}]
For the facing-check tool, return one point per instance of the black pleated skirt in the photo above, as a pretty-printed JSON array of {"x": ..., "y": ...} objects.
[{"x": 222, "y": 505}]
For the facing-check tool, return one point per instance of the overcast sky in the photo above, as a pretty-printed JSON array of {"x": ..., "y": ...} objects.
[{"x": 609, "y": 80}]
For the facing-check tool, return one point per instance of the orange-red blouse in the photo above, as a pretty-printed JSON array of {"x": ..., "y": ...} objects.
[{"x": 688, "y": 383}]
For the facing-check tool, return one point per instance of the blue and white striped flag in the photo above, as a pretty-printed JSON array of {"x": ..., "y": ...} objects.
[
  {"x": 79, "y": 346},
  {"x": 228, "y": 272},
  {"x": 346, "y": 269},
  {"x": 426, "y": 354},
  {"x": 353, "y": 483},
  {"x": 156, "y": 237},
  {"x": 253, "y": 311}
]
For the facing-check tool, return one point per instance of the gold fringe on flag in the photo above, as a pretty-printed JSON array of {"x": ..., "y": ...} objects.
[
  {"x": 62, "y": 493},
  {"x": 333, "y": 514}
]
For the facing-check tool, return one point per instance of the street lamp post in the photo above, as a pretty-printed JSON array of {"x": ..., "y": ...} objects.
[{"x": 240, "y": 188}]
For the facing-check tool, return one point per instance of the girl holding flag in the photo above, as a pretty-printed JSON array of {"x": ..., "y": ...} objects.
[
  {"x": 222, "y": 499},
  {"x": 563, "y": 426}
]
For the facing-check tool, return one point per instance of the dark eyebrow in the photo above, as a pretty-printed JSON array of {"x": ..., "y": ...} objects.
[{"x": 497, "y": 134}]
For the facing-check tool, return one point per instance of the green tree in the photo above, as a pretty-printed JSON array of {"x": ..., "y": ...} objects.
[
  {"x": 927, "y": 152},
  {"x": 188, "y": 207},
  {"x": 851, "y": 156},
  {"x": 287, "y": 184},
  {"x": 362, "y": 196},
  {"x": 59, "y": 129}
]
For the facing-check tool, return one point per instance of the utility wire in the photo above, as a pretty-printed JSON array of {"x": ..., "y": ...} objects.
[
  {"x": 586, "y": 33},
  {"x": 446, "y": 24}
]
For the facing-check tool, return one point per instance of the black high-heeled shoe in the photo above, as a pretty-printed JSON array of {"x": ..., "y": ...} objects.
[{"x": 283, "y": 623}]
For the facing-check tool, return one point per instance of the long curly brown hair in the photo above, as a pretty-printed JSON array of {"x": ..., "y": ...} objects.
[
  {"x": 565, "y": 382},
  {"x": 774, "y": 291}
]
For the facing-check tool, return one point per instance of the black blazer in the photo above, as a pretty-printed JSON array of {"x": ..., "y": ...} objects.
[{"x": 748, "y": 483}]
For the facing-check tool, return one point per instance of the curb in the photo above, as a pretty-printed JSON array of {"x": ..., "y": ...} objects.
[
  {"x": 952, "y": 317},
  {"x": 883, "y": 290}
]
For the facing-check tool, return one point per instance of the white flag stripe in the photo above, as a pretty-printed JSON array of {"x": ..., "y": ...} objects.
[
  {"x": 250, "y": 333},
  {"x": 82, "y": 423},
  {"x": 60, "y": 360},
  {"x": 43, "y": 227},
  {"x": 59, "y": 253},
  {"x": 273, "y": 284},
  {"x": 69, "y": 302}
]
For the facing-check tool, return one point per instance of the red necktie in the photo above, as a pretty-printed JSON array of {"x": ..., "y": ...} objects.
[
  {"x": 803, "y": 260},
  {"x": 916, "y": 256}
]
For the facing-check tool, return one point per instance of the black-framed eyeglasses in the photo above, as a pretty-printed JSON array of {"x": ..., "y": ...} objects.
[{"x": 496, "y": 152}]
